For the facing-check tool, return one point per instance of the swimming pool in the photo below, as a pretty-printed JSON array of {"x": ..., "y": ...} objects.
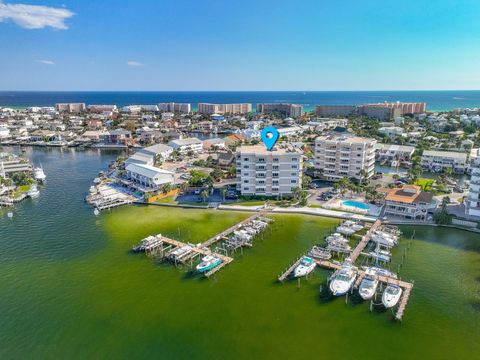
[{"x": 357, "y": 204}]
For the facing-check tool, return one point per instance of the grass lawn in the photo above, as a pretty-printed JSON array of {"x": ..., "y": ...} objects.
[
  {"x": 23, "y": 188},
  {"x": 249, "y": 203},
  {"x": 425, "y": 184},
  {"x": 167, "y": 200}
]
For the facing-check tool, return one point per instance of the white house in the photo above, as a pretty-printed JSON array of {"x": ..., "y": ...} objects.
[
  {"x": 148, "y": 177},
  {"x": 186, "y": 145}
]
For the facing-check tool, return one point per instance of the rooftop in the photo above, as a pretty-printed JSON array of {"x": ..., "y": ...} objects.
[
  {"x": 261, "y": 149},
  {"x": 407, "y": 194}
]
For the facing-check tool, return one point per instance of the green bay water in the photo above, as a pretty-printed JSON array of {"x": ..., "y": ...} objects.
[{"x": 71, "y": 288}]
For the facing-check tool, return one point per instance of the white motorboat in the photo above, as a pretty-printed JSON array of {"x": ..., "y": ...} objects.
[
  {"x": 318, "y": 252},
  {"x": 345, "y": 230},
  {"x": 250, "y": 231},
  {"x": 353, "y": 224},
  {"x": 343, "y": 279},
  {"x": 369, "y": 284},
  {"x": 39, "y": 175},
  {"x": 382, "y": 240},
  {"x": 381, "y": 272},
  {"x": 382, "y": 255},
  {"x": 181, "y": 251},
  {"x": 391, "y": 295},
  {"x": 243, "y": 235},
  {"x": 336, "y": 238},
  {"x": 208, "y": 263},
  {"x": 33, "y": 192},
  {"x": 306, "y": 266}
]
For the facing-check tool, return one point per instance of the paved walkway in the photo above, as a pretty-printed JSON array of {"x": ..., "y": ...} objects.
[{"x": 303, "y": 210}]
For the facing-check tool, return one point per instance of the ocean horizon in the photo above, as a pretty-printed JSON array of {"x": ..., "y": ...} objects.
[{"x": 437, "y": 100}]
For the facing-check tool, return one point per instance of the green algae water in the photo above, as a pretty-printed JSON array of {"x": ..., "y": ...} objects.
[{"x": 71, "y": 288}]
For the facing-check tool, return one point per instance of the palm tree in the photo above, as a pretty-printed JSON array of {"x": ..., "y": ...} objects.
[
  {"x": 363, "y": 175},
  {"x": 223, "y": 191},
  {"x": 204, "y": 194},
  {"x": 296, "y": 193}
]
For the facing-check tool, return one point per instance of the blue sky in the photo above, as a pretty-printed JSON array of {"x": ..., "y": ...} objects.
[{"x": 239, "y": 45}]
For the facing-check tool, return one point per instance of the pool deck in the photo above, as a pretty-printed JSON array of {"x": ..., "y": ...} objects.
[{"x": 337, "y": 204}]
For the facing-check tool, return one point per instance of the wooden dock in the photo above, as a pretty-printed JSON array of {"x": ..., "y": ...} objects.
[
  {"x": 403, "y": 303},
  {"x": 287, "y": 272},
  {"x": 230, "y": 230},
  {"x": 365, "y": 239},
  {"x": 164, "y": 247}
]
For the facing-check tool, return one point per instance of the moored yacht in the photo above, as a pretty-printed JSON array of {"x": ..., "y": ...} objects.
[
  {"x": 343, "y": 279},
  {"x": 208, "y": 263},
  {"x": 369, "y": 284},
  {"x": 39, "y": 175},
  {"x": 181, "y": 251},
  {"x": 306, "y": 266},
  {"x": 391, "y": 295}
]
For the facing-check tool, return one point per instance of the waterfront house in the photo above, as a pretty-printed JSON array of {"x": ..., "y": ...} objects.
[
  {"x": 225, "y": 159},
  {"x": 186, "y": 145},
  {"x": 234, "y": 139},
  {"x": 408, "y": 202},
  {"x": 148, "y": 178},
  {"x": 117, "y": 137},
  {"x": 215, "y": 142},
  {"x": 159, "y": 151}
]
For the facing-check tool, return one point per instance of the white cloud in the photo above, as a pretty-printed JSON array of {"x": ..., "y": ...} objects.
[
  {"x": 35, "y": 16},
  {"x": 134, "y": 63},
  {"x": 46, "y": 62}
]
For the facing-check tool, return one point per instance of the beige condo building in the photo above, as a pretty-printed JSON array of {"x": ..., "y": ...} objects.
[
  {"x": 338, "y": 156},
  {"x": 268, "y": 173}
]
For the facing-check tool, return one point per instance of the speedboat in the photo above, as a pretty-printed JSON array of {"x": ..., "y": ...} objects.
[
  {"x": 382, "y": 255},
  {"x": 391, "y": 295},
  {"x": 318, "y": 252},
  {"x": 208, "y": 263},
  {"x": 345, "y": 230},
  {"x": 343, "y": 279},
  {"x": 369, "y": 284},
  {"x": 336, "y": 238},
  {"x": 353, "y": 224},
  {"x": 306, "y": 266},
  {"x": 181, "y": 251},
  {"x": 33, "y": 192},
  {"x": 383, "y": 240},
  {"x": 39, "y": 175}
]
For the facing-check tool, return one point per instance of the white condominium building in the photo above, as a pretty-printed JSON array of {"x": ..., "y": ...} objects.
[
  {"x": 182, "y": 108},
  {"x": 473, "y": 199},
  {"x": 206, "y": 108},
  {"x": 338, "y": 156},
  {"x": 438, "y": 161},
  {"x": 268, "y": 173}
]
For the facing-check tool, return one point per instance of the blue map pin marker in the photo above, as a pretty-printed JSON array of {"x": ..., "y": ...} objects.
[{"x": 269, "y": 137}]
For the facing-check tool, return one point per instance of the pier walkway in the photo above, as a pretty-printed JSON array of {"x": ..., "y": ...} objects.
[
  {"x": 336, "y": 265},
  {"x": 365, "y": 239},
  {"x": 164, "y": 247},
  {"x": 231, "y": 229}
]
